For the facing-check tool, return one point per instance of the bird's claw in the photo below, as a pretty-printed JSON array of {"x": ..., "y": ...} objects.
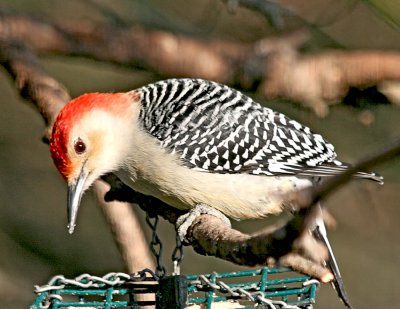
[{"x": 184, "y": 222}]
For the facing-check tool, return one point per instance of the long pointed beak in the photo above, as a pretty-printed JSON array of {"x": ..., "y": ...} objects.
[{"x": 75, "y": 192}]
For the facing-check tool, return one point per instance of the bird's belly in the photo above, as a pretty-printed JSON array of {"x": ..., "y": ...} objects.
[{"x": 239, "y": 196}]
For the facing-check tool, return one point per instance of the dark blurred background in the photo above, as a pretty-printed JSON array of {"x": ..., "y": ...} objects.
[{"x": 34, "y": 241}]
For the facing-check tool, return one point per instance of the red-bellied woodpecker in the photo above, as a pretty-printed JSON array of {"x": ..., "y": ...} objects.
[{"x": 189, "y": 142}]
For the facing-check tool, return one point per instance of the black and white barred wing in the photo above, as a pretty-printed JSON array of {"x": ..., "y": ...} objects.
[{"x": 218, "y": 129}]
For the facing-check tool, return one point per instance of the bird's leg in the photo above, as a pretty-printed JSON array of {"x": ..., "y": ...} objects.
[{"x": 184, "y": 222}]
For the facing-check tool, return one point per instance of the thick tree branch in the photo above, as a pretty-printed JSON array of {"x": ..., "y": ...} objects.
[
  {"x": 48, "y": 95},
  {"x": 159, "y": 51},
  {"x": 288, "y": 243},
  {"x": 315, "y": 80},
  {"x": 210, "y": 236},
  {"x": 319, "y": 80}
]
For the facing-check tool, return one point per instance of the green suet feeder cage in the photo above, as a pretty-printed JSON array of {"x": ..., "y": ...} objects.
[{"x": 262, "y": 288}]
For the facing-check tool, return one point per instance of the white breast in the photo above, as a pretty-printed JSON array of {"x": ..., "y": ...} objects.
[{"x": 152, "y": 171}]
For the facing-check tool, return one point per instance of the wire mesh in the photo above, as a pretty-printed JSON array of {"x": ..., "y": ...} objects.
[
  {"x": 266, "y": 288},
  {"x": 271, "y": 287}
]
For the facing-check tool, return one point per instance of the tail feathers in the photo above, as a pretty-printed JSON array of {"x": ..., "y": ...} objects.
[
  {"x": 319, "y": 233},
  {"x": 335, "y": 168},
  {"x": 372, "y": 176}
]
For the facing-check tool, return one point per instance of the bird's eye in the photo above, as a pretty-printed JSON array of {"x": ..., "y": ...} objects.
[{"x": 79, "y": 146}]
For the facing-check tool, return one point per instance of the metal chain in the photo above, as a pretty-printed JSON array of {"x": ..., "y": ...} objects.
[
  {"x": 156, "y": 245},
  {"x": 256, "y": 296},
  {"x": 87, "y": 281},
  {"x": 177, "y": 256}
]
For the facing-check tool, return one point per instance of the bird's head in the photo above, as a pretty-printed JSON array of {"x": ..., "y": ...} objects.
[{"x": 89, "y": 139}]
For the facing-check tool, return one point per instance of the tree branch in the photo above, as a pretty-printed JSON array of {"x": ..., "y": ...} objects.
[
  {"x": 307, "y": 198},
  {"x": 48, "y": 95},
  {"x": 127, "y": 231},
  {"x": 315, "y": 80},
  {"x": 271, "y": 10},
  {"x": 210, "y": 236},
  {"x": 288, "y": 243},
  {"x": 322, "y": 79}
]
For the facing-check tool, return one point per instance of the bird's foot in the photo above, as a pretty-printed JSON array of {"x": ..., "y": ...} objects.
[{"x": 185, "y": 221}]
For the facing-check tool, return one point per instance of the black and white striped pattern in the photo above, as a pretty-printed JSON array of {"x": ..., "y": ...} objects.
[{"x": 218, "y": 129}]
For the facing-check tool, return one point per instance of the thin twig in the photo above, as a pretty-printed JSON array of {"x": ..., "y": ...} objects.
[
  {"x": 307, "y": 198},
  {"x": 379, "y": 156}
]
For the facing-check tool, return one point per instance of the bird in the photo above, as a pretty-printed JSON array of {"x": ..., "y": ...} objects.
[{"x": 190, "y": 142}]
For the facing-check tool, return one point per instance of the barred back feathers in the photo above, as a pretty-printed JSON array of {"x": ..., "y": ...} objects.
[{"x": 215, "y": 128}]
